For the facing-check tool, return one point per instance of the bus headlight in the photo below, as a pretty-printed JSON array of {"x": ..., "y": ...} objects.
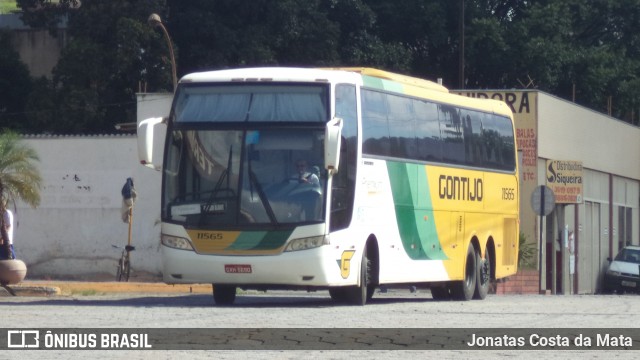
[
  {"x": 307, "y": 243},
  {"x": 176, "y": 242}
]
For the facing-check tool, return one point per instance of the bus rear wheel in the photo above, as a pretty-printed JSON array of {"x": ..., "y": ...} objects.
[
  {"x": 464, "y": 290},
  {"x": 483, "y": 279},
  {"x": 224, "y": 294}
]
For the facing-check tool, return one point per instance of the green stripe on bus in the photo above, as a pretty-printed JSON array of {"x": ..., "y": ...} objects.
[
  {"x": 416, "y": 224},
  {"x": 260, "y": 240},
  {"x": 372, "y": 82},
  {"x": 382, "y": 84}
]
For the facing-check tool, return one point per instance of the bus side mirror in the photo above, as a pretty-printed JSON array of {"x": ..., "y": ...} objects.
[
  {"x": 151, "y": 135},
  {"x": 332, "y": 136}
]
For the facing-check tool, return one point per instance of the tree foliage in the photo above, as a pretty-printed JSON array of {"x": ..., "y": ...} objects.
[
  {"x": 19, "y": 176},
  {"x": 587, "y": 51},
  {"x": 15, "y": 85},
  {"x": 112, "y": 52}
]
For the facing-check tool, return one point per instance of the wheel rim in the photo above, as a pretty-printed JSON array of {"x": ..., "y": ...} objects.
[
  {"x": 485, "y": 272},
  {"x": 365, "y": 274}
]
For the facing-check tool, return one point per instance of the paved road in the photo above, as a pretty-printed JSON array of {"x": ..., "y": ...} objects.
[{"x": 397, "y": 309}]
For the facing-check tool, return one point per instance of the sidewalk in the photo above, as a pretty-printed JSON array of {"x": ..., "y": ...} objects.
[{"x": 67, "y": 288}]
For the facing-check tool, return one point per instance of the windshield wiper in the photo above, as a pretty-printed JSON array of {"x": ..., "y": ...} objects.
[{"x": 263, "y": 197}]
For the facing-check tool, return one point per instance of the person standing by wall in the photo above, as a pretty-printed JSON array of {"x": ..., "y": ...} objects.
[{"x": 6, "y": 230}]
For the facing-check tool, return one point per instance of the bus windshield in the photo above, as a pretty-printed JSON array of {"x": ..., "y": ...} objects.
[
  {"x": 240, "y": 177},
  {"x": 233, "y": 153}
]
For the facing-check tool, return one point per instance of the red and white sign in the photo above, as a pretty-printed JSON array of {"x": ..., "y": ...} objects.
[{"x": 237, "y": 268}]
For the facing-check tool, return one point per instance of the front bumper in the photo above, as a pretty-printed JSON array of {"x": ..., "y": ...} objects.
[
  {"x": 621, "y": 283},
  {"x": 306, "y": 268}
]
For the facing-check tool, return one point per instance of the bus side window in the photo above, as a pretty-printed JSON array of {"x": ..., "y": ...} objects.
[
  {"x": 451, "y": 134},
  {"x": 427, "y": 131},
  {"x": 375, "y": 124},
  {"x": 344, "y": 182},
  {"x": 402, "y": 132}
]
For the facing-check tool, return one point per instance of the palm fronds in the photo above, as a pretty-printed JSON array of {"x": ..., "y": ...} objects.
[{"x": 19, "y": 175}]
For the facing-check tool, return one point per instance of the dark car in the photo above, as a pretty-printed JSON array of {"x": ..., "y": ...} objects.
[{"x": 623, "y": 274}]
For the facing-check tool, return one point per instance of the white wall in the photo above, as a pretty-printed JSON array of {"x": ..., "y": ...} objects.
[{"x": 70, "y": 234}]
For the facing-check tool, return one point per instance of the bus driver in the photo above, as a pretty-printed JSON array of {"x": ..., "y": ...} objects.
[
  {"x": 308, "y": 191},
  {"x": 305, "y": 177}
]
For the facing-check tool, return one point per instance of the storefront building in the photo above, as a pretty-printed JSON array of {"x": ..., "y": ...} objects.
[{"x": 591, "y": 162}]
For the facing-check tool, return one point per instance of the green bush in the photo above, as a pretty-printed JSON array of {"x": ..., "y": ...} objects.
[
  {"x": 8, "y": 6},
  {"x": 526, "y": 253}
]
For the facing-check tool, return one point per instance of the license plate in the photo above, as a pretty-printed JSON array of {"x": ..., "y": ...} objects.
[
  {"x": 628, "y": 283},
  {"x": 237, "y": 269}
]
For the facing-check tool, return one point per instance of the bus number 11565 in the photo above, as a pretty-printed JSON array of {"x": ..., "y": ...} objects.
[{"x": 508, "y": 194}]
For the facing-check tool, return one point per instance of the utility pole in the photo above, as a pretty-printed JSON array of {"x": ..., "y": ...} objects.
[{"x": 461, "y": 53}]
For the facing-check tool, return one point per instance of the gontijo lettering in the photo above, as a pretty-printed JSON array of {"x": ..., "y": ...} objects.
[{"x": 460, "y": 188}]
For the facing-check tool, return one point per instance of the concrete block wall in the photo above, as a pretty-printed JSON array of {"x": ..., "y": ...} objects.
[{"x": 70, "y": 235}]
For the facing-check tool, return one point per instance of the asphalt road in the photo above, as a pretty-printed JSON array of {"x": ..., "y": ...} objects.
[{"x": 398, "y": 310}]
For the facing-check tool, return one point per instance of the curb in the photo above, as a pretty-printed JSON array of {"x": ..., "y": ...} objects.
[
  {"x": 30, "y": 291},
  {"x": 67, "y": 288}
]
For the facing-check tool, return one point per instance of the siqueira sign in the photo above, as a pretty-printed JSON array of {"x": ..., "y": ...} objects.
[{"x": 565, "y": 179}]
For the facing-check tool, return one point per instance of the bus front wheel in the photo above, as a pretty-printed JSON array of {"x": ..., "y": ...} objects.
[
  {"x": 224, "y": 294},
  {"x": 358, "y": 295},
  {"x": 464, "y": 290}
]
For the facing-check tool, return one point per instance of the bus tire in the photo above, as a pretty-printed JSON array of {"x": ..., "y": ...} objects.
[
  {"x": 464, "y": 290},
  {"x": 224, "y": 294},
  {"x": 359, "y": 294},
  {"x": 483, "y": 279}
]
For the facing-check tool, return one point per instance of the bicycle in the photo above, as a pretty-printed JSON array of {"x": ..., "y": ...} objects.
[{"x": 124, "y": 263}]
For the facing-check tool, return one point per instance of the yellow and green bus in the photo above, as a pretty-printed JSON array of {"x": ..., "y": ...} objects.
[{"x": 341, "y": 179}]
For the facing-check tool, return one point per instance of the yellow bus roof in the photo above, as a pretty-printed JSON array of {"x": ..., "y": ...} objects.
[
  {"x": 403, "y": 79},
  {"x": 416, "y": 86}
]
